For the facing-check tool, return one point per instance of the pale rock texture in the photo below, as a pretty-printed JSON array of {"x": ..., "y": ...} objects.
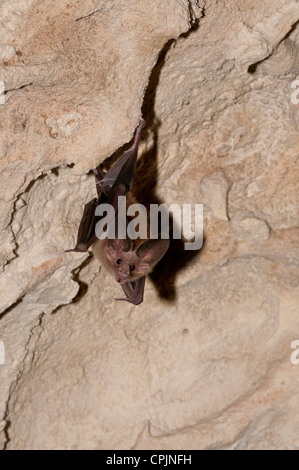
[
  {"x": 205, "y": 361},
  {"x": 215, "y": 188}
]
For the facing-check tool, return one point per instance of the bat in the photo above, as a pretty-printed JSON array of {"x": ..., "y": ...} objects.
[{"x": 129, "y": 261}]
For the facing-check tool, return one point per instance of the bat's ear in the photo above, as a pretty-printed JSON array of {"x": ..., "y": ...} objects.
[
  {"x": 151, "y": 251},
  {"x": 119, "y": 244}
]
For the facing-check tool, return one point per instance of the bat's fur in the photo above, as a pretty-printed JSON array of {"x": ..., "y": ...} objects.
[{"x": 128, "y": 260}]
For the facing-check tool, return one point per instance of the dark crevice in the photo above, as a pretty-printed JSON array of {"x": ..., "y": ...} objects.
[
  {"x": 193, "y": 20},
  {"x": 18, "y": 88},
  {"x": 11, "y": 307},
  {"x": 6, "y": 433},
  {"x": 146, "y": 181},
  {"x": 294, "y": 26},
  {"x": 13, "y": 214},
  {"x": 28, "y": 188},
  {"x": 83, "y": 287},
  {"x": 253, "y": 67},
  {"x": 87, "y": 16}
]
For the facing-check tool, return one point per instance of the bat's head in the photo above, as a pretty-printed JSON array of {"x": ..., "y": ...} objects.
[{"x": 129, "y": 263}]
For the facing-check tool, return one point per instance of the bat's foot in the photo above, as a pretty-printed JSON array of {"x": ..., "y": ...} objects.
[
  {"x": 80, "y": 248},
  {"x": 142, "y": 124},
  {"x": 131, "y": 300},
  {"x": 98, "y": 173}
]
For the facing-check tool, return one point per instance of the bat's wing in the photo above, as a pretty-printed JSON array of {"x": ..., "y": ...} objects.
[
  {"x": 124, "y": 169},
  {"x": 116, "y": 182},
  {"x": 134, "y": 291},
  {"x": 86, "y": 233},
  {"x": 99, "y": 175}
]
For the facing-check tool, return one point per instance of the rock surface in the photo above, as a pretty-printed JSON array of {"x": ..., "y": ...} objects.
[{"x": 206, "y": 362}]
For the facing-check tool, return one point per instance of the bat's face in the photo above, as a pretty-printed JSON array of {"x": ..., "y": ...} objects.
[
  {"x": 129, "y": 263},
  {"x": 127, "y": 266}
]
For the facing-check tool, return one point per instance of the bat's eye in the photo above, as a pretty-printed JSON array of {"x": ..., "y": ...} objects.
[
  {"x": 132, "y": 268},
  {"x": 118, "y": 261}
]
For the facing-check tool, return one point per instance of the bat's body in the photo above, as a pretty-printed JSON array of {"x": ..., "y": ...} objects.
[{"x": 129, "y": 261}]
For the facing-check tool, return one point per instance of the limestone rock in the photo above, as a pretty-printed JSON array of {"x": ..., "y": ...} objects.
[{"x": 215, "y": 190}]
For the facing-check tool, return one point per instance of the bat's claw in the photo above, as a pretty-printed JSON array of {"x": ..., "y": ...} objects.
[
  {"x": 131, "y": 300},
  {"x": 142, "y": 123},
  {"x": 79, "y": 248}
]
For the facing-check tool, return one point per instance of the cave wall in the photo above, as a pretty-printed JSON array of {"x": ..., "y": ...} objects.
[{"x": 205, "y": 361}]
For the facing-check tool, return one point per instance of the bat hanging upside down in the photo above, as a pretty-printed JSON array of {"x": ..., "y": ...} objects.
[{"x": 128, "y": 260}]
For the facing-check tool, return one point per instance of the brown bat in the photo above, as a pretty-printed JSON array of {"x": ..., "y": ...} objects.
[{"x": 129, "y": 261}]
